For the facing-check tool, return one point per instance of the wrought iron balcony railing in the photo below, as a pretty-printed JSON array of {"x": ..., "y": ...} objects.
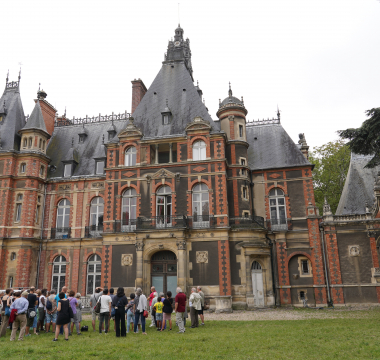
[
  {"x": 93, "y": 231},
  {"x": 200, "y": 221},
  {"x": 279, "y": 224},
  {"x": 162, "y": 222},
  {"x": 255, "y": 222},
  {"x": 61, "y": 233},
  {"x": 125, "y": 225}
]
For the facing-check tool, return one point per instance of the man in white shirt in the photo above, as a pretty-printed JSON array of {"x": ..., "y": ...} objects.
[
  {"x": 105, "y": 310},
  {"x": 41, "y": 310}
]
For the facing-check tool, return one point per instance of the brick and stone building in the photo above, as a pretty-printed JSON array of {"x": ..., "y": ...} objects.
[{"x": 163, "y": 196}]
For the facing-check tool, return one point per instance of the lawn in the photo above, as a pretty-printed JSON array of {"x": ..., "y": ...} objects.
[{"x": 352, "y": 337}]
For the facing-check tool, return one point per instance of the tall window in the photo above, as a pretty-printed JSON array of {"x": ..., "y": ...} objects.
[
  {"x": 130, "y": 156},
  {"x": 199, "y": 150},
  {"x": 241, "y": 131},
  {"x": 59, "y": 273},
  {"x": 277, "y": 207},
  {"x": 96, "y": 212},
  {"x": 30, "y": 142},
  {"x": 18, "y": 207},
  {"x": 11, "y": 281},
  {"x": 42, "y": 170},
  {"x": 63, "y": 214},
  {"x": 67, "y": 170},
  {"x": 200, "y": 203},
  {"x": 164, "y": 206},
  {"x": 25, "y": 143},
  {"x": 94, "y": 273},
  {"x": 100, "y": 167},
  {"x": 22, "y": 168},
  {"x": 128, "y": 207}
]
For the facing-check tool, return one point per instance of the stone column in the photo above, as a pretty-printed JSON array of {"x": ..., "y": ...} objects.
[
  {"x": 182, "y": 268},
  {"x": 156, "y": 155},
  {"x": 139, "y": 263},
  {"x": 170, "y": 153},
  {"x": 248, "y": 275}
]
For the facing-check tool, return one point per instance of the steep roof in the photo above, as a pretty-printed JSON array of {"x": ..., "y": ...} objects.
[
  {"x": 36, "y": 120},
  {"x": 358, "y": 188},
  {"x": 173, "y": 85},
  {"x": 60, "y": 147},
  {"x": 13, "y": 119},
  {"x": 271, "y": 147}
]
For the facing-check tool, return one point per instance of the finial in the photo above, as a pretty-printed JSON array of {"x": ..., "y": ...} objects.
[
  {"x": 278, "y": 113},
  {"x": 242, "y": 100},
  {"x": 7, "y": 76},
  {"x": 19, "y": 74},
  {"x": 197, "y": 83},
  {"x": 229, "y": 91},
  {"x": 39, "y": 86},
  {"x": 64, "y": 115},
  {"x": 72, "y": 142}
]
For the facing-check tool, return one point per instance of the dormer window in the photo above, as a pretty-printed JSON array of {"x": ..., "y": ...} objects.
[
  {"x": 165, "y": 119},
  {"x": 166, "y": 115},
  {"x": 67, "y": 170},
  {"x": 82, "y": 137},
  {"x": 99, "y": 167}
]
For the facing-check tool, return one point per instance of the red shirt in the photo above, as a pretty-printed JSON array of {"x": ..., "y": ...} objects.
[{"x": 181, "y": 300}]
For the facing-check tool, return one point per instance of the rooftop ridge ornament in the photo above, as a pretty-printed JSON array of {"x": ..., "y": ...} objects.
[
  {"x": 278, "y": 113},
  {"x": 95, "y": 119},
  {"x": 12, "y": 84},
  {"x": 229, "y": 91}
]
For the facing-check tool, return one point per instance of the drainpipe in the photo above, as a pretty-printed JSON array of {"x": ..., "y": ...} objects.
[
  {"x": 251, "y": 186},
  {"x": 271, "y": 244},
  {"x": 41, "y": 236},
  {"x": 327, "y": 270}
]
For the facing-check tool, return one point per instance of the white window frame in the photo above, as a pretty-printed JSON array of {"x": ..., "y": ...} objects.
[
  {"x": 200, "y": 219},
  {"x": 164, "y": 192},
  {"x": 130, "y": 156},
  {"x": 65, "y": 205},
  {"x": 96, "y": 167},
  {"x": 97, "y": 209},
  {"x": 68, "y": 170},
  {"x": 301, "y": 259},
  {"x": 129, "y": 205},
  {"x": 278, "y": 197},
  {"x": 95, "y": 261},
  {"x": 58, "y": 263},
  {"x": 199, "y": 150}
]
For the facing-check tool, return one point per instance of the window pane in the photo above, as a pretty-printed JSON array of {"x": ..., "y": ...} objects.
[
  {"x": 272, "y": 202},
  {"x": 205, "y": 196},
  {"x": 133, "y": 212},
  {"x": 98, "y": 279},
  {"x": 60, "y": 211},
  {"x": 91, "y": 268},
  {"x": 158, "y": 268},
  {"x": 90, "y": 284},
  {"x": 100, "y": 167},
  {"x": 195, "y": 154},
  {"x": 281, "y": 201},
  {"x": 62, "y": 280},
  {"x": 63, "y": 269},
  {"x": 203, "y": 154},
  {"x": 281, "y": 211},
  {"x": 205, "y": 208},
  {"x": 98, "y": 268},
  {"x": 55, "y": 283},
  {"x": 67, "y": 220},
  {"x": 196, "y": 197},
  {"x": 56, "y": 269}
]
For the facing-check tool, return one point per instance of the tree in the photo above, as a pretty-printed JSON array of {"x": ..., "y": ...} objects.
[
  {"x": 331, "y": 165},
  {"x": 365, "y": 140}
]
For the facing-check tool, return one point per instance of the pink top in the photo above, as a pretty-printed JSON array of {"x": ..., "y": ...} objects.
[{"x": 151, "y": 297}]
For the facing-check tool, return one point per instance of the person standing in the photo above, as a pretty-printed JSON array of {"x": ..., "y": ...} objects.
[
  {"x": 21, "y": 306},
  {"x": 105, "y": 311},
  {"x": 79, "y": 310},
  {"x": 158, "y": 307},
  {"x": 112, "y": 315},
  {"x": 200, "y": 312},
  {"x": 93, "y": 301},
  {"x": 63, "y": 318},
  {"x": 130, "y": 311},
  {"x": 167, "y": 310},
  {"x": 195, "y": 305},
  {"x": 180, "y": 307},
  {"x": 41, "y": 310},
  {"x": 74, "y": 305},
  {"x": 51, "y": 311},
  {"x": 150, "y": 299},
  {"x": 33, "y": 302},
  {"x": 140, "y": 307},
  {"x": 5, "y": 311},
  {"x": 119, "y": 303}
]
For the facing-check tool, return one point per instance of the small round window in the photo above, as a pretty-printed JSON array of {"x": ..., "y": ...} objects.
[{"x": 13, "y": 256}]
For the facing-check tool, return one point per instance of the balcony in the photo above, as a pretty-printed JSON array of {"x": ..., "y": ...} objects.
[
  {"x": 279, "y": 224},
  {"x": 125, "y": 225},
  {"x": 61, "y": 233},
  {"x": 162, "y": 222},
  {"x": 255, "y": 222},
  {"x": 93, "y": 231},
  {"x": 201, "y": 221}
]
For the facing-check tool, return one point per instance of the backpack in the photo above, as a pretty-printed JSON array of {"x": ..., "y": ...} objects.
[
  {"x": 49, "y": 305},
  {"x": 97, "y": 306}
]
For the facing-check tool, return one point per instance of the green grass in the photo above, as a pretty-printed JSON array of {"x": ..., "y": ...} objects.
[{"x": 351, "y": 337}]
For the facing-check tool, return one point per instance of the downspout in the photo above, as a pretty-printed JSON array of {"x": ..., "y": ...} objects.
[
  {"x": 41, "y": 236},
  {"x": 271, "y": 244},
  {"x": 327, "y": 270}
]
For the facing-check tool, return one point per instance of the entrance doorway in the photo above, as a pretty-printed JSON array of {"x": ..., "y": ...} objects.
[
  {"x": 257, "y": 284},
  {"x": 164, "y": 272}
]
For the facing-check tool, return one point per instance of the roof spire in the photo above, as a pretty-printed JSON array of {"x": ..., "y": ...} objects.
[
  {"x": 229, "y": 91},
  {"x": 39, "y": 86},
  {"x": 19, "y": 74},
  {"x": 7, "y": 77},
  {"x": 64, "y": 115},
  {"x": 278, "y": 113}
]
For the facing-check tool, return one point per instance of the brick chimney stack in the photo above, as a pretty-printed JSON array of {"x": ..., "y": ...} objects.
[
  {"x": 138, "y": 92},
  {"x": 48, "y": 111}
]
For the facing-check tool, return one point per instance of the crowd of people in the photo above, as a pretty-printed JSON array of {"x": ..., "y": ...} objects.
[{"x": 46, "y": 312}]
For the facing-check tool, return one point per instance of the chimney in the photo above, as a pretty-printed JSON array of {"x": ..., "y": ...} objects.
[
  {"x": 138, "y": 92},
  {"x": 48, "y": 111}
]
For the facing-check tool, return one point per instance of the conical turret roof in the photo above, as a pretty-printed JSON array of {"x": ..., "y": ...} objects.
[{"x": 36, "y": 120}]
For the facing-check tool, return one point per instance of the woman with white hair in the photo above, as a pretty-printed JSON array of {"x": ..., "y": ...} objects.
[
  {"x": 140, "y": 307},
  {"x": 79, "y": 310}
]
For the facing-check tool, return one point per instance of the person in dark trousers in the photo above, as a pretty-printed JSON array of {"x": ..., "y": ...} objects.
[
  {"x": 105, "y": 310},
  {"x": 119, "y": 303},
  {"x": 33, "y": 302}
]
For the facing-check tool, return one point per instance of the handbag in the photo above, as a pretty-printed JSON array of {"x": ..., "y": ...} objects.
[
  {"x": 84, "y": 328},
  {"x": 71, "y": 312},
  {"x": 145, "y": 314},
  {"x": 31, "y": 313},
  {"x": 7, "y": 311}
]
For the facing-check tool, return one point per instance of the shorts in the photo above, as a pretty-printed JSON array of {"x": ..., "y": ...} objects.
[
  {"x": 94, "y": 316},
  {"x": 200, "y": 312},
  {"x": 167, "y": 316},
  {"x": 158, "y": 316},
  {"x": 51, "y": 318}
]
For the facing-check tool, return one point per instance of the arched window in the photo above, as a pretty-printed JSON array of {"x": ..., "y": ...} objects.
[
  {"x": 130, "y": 156},
  {"x": 25, "y": 143},
  {"x": 128, "y": 209},
  {"x": 43, "y": 145},
  {"x": 164, "y": 206},
  {"x": 30, "y": 142},
  {"x": 256, "y": 266},
  {"x": 201, "y": 212},
  {"x": 277, "y": 208},
  {"x": 199, "y": 150},
  {"x": 59, "y": 273},
  {"x": 63, "y": 214},
  {"x": 94, "y": 273},
  {"x": 40, "y": 146},
  {"x": 96, "y": 213}
]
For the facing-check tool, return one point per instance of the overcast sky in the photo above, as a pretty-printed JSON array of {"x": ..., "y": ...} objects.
[{"x": 318, "y": 60}]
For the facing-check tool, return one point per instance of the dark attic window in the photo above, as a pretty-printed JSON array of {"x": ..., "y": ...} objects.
[{"x": 81, "y": 138}]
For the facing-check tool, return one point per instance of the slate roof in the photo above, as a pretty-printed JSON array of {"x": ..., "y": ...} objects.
[
  {"x": 358, "y": 188},
  {"x": 174, "y": 84},
  {"x": 231, "y": 99},
  {"x": 14, "y": 119},
  {"x": 36, "y": 120},
  {"x": 60, "y": 146},
  {"x": 270, "y": 147}
]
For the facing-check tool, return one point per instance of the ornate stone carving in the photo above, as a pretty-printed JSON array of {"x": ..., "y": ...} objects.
[
  {"x": 126, "y": 259},
  {"x": 163, "y": 174},
  {"x": 376, "y": 272},
  {"x": 64, "y": 187},
  {"x": 129, "y": 174},
  {"x": 202, "y": 257},
  {"x": 354, "y": 250},
  {"x": 97, "y": 185},
  {"x": 181, "y": 245},
  {"x": 274, "y": 176},
  {"x": 199, "y": 168},
  {"x": 139, "y": 245}
]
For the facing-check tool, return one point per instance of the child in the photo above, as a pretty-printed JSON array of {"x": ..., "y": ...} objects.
[{"x": 158, "y": 307}]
